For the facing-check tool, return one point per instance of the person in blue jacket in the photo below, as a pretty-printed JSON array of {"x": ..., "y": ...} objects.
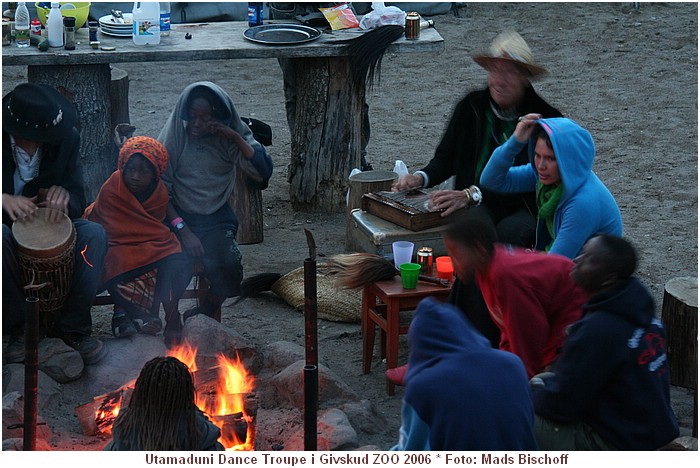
[
  {"x": 610, "y": 387},
  {"x": 573, "y": 203},
  {"x": 462, "y": 394}
]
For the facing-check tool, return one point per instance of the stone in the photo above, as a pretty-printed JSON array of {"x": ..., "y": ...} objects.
[
  {"x": 364, "y": 417},
  {"x": 282, "y": 354},
  {"x": 13, "y": 415},
  {"x": 213, "y": 338},
  {"x": 59, "y": 361},
  {"x": 48, "y": 391}
]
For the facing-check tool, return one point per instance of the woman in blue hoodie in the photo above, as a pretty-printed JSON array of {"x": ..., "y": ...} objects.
[{"x": 573, "y": 204}]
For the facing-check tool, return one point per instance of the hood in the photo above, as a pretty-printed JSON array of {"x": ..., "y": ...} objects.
[
  {"x": 630, "y": 301},
  {"x": 174, "y": 134},
  {"x": 450, "y": 333},
  {"x": 574, "y": 149}
]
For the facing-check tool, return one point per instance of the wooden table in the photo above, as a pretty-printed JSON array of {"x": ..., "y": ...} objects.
[
  {"x": 326, "y": 141},
  {"x": 382, "y": 304}
]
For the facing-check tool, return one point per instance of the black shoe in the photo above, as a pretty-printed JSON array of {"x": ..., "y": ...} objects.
[
  {"x": 14, "y": 352},
  {"x": 90, "y": 348},
  {"x": 146, "y": 323},
  {"x": 122, "y": 326}
]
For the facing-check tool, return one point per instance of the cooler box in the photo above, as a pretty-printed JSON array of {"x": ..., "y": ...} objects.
[{"x": 369, "y": 233}]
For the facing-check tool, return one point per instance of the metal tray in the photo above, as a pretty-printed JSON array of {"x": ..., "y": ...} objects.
[{"x": 281, "y": 34}]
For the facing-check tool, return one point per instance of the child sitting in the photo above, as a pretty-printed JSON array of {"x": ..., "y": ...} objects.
[{"x": 145, "y": 265}]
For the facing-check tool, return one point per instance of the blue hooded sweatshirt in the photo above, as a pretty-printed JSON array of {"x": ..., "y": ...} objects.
[
  {"x": 613, "y": 372},
  {"x": 586, "y": 209},
  {"x": 462, "y": 394}
]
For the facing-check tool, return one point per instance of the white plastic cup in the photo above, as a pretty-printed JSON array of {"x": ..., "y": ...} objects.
[{"x": 403, "y": 252}]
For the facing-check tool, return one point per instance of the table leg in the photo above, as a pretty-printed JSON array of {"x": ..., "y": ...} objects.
[{"x": 326, "y": 142}]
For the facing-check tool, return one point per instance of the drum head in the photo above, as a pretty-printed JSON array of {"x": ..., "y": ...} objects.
[{"x": 45, "y": 233}]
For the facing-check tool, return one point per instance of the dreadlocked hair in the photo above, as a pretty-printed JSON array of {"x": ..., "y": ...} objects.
[
  {"x": 161, "y": 404},
  {"x": 357, "y": 270},
  {"x": 366, "y": 53}
]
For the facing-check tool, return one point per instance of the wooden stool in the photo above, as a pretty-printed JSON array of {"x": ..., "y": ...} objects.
[
  {"x": 382, "y": 304},
  {"x": 680, "y": 316}
]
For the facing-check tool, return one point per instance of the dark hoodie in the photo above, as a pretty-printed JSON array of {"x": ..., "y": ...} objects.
[
  {"x": 462, "y": 394},
  {"x": 613, "y": 373}
]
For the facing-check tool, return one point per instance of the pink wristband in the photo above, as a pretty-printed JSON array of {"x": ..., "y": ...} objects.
[{"x": 174, "y": 222}]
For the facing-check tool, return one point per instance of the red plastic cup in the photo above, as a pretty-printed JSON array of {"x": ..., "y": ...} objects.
[{"x": 444, "y": 267}]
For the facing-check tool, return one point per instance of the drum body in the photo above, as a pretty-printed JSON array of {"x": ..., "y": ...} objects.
[{"x": 46, "y": 246}]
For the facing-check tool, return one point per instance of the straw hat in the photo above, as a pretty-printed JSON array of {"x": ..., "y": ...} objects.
[
  {"x": 511, "y": 47},
  {"x": 37, "y": 112}
]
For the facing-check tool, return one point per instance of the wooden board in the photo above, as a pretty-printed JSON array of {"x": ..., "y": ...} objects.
[{"x": 401, "y": 214}]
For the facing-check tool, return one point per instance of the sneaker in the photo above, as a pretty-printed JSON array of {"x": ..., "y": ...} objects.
[
  {"x": 14, "y": 352},
  {"x": 397, "y": 374},
  {"x": 90, "y": 348},
  {"x": 146, "y": 323},
  {"x": 122, "y": 326}
]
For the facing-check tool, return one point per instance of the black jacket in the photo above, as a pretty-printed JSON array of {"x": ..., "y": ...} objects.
[
  {"x": 60, "y": 166},
  {"x": 459, "y": 150}
]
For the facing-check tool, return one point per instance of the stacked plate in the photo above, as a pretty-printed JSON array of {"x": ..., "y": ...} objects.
[{"x": 110, "y": 26}]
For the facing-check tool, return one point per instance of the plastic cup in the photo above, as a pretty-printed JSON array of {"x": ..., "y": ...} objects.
[
  {"x": 403, "y": 252},
  {"x": 409, "y": 275},
  {"x": 444, "y": 267}
]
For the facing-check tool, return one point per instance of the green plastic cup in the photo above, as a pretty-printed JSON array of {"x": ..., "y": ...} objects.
[{"x": 409, "y": 275}]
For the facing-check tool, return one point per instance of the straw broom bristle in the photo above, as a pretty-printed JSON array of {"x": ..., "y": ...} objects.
[{"x": 357, "y": 270}]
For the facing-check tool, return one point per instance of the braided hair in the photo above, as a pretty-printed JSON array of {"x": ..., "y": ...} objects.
[{"x": 161, "y": 409}]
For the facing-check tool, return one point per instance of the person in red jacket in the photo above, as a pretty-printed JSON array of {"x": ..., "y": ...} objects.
[{"x": 530, "y": 295}]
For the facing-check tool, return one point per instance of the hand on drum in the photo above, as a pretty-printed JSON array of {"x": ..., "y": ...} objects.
[
  {"x": 54, "y": 197},
  {"x": 448, "y": 200},
  {"x": 18, "y": 207}
]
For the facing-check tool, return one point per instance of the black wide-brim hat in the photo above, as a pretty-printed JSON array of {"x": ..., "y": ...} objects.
[{"x": 37, "y": 112}]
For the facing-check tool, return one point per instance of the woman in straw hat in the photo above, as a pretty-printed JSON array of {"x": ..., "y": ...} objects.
[{"x": 41, "y": 168}]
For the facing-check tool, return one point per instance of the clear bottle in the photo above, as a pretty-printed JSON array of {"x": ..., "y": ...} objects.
[
  {"x": 22, "y": 25},
  {"x": 54, "y": 24},
  {"x": 164, "y": 18}
]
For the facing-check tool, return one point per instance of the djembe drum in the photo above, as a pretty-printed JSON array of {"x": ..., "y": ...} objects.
[{"x": 45, "y": 250}]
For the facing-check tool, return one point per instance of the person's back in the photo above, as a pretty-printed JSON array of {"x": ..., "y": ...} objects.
[
  {"x": 532, "y": 300},
  {"x": 461, "y": 394},
  {"x": 610, "y": 385}
]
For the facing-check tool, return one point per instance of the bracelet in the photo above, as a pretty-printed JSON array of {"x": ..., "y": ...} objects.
[{"x": 176, "y": 221}]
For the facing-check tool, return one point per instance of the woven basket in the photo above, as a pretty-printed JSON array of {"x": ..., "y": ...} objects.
[{"x": 332, "y": 303}]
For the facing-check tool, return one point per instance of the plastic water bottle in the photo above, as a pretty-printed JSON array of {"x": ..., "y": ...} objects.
[
  {"x": 22, "y": 25},
  {"x": 255, "y": 13},
  {"x": 54, "y": 24},
  {"x": 146, "y": 19},
  {"x": 164, "y": 18}
]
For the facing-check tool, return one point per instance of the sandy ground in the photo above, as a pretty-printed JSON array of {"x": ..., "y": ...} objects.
[{"x": 629, "y": 76}]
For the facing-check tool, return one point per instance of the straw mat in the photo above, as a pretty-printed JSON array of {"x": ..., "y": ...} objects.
[{"x": 332, "y": 302}]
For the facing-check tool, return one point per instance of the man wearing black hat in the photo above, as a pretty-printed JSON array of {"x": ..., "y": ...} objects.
[{"x": 41, "y": 168}]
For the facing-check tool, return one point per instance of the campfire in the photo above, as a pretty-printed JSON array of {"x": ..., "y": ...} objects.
[{"x": 224, "y": 391}]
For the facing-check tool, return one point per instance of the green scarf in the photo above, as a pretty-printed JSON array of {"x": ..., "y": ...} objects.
[
  {"x": 548, "y": 197},
  {"x": 488, "y": 136}
]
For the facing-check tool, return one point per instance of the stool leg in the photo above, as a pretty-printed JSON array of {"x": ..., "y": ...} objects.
[
  {"x": 392, "y": 341},
  {"x": 368, "y": 329}
]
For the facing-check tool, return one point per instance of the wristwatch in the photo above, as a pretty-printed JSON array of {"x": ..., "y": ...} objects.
[{"x": 179, "y": 226}]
